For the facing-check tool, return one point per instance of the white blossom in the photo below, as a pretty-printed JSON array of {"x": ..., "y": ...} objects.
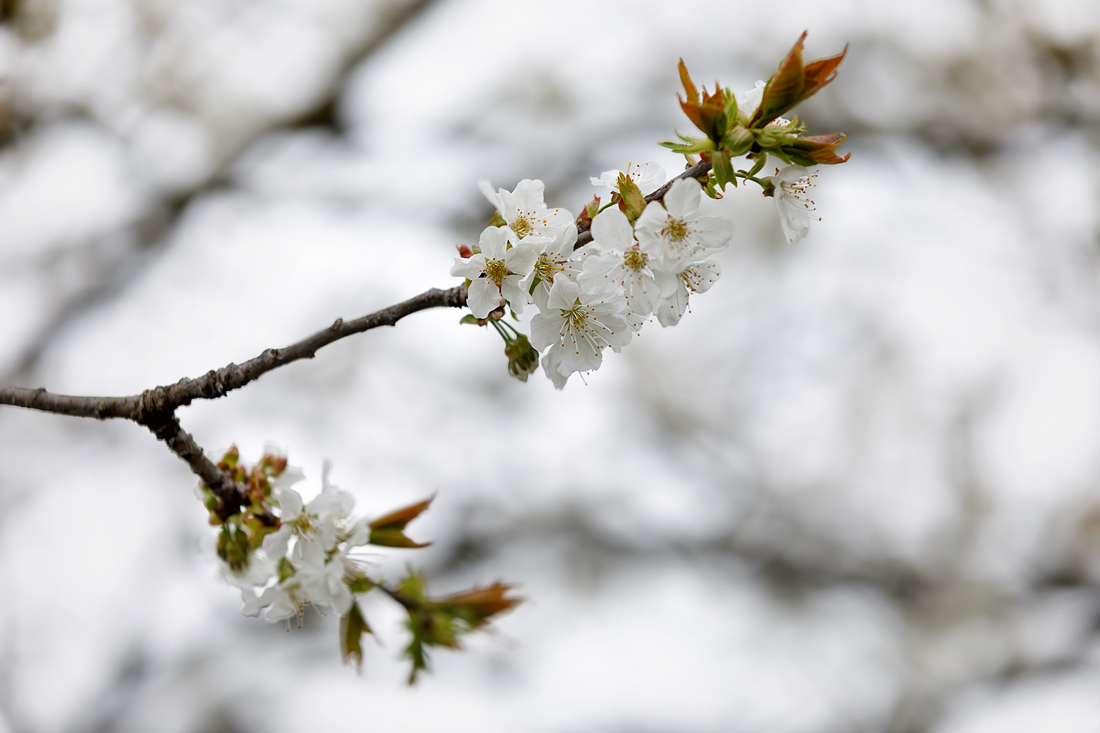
[
  {"x": 674, "y": 234},
  {"x": 792, "y": 201},
  {"x": 621, "y": 265},
  {"x": 648, "y": 177},
  {"x": 579, "y": 325},
  {"x": 677, "y": 288},
  {"x": 525, "y": 211},
  {"x": 497, "y": 271}
]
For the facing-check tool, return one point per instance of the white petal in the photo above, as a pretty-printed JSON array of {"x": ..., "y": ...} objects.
[
  {"x": 514, "y": 293},
  {"x": 550, "y": 365},
  {"x": 492, "y": 195},
  {"x": 275, "y": 544},
  {"x": 546, "y": 329},
  {"x": 483, "y": 297},
  {"x": 612, "y": 230},
  {"x": 468, "y": 267},
  {"x": 563, "y": 294},
  {"x": 290, "y": 503},
  {"x": 712, "y": 233},
  {"x": 682, "y": 199},
  {"x": 520, "y": 259},
  {"x": 493, "y": 242}
]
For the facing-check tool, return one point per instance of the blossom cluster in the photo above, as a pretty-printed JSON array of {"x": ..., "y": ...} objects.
[
  {"x": 286, "y": 554},
  {"x": 598, "y": 295},
  {"x": 651, "y": 247}
]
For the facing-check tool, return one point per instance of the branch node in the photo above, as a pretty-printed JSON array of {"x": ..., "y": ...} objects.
[{"x": 336, "y": 326}]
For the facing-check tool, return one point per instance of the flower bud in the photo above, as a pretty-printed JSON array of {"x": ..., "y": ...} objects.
[
  {"x": 523, "y": 360},
  {"x": 738, "y": 141}
]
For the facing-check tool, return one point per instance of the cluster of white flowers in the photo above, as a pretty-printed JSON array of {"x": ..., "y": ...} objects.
[
  {"x": 601, "y": 294},
  {"x": 306, "y": 560}
]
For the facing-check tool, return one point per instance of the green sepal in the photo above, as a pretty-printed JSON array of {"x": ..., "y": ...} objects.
[
  {"x": 285, "y": 569},
  {"x": 470, "y": 319},
  {"x": 361, "y": 585},
  {"x": 761, "y": 160}
]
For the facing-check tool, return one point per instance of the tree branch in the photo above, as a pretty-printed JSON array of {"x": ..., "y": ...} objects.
[{"x": 158, "y": 402}]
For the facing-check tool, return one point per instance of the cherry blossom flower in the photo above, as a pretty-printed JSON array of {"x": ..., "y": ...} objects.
[
  {"x": 795, "y": 207},
  {"x": 673, "y": 234},
  {"x": 316, "y": 521},
  {"x": 579, "y": 325},
  {"x": 677, "y": 288},
  {"x": 525, "y": 211},
  {"x": 497, "y": 270},
  {"x": 621, "y": 265},
  {"x": 648, "y": 177}
]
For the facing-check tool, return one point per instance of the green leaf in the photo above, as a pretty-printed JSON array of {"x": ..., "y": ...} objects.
[
  {"x": 723, "y": 169},
  {"x": 352, "y": 628}
]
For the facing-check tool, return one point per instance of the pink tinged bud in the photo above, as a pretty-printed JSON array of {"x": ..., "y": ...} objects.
[{"x": 464, "y": 251}]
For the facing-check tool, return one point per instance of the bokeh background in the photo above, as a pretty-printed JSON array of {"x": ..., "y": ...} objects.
[{"x": 857, "y": 489}]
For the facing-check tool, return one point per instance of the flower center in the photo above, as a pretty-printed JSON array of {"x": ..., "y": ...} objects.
[
  {"x": 799, "y": 191},
  {"x": 675, "y": 229},
  {"x": 577, "y": 317},
  {"x": 545, "y": 269},
  {"x": 495, "y": 270},
  {"x": 521, "y": 226},
  {"x": 635, "y": 259}
]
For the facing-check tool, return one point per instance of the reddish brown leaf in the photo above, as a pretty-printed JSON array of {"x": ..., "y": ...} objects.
[
  {"x": 784, "y": 88},
  {"x": 478, "y": 605},
  {"x": 401, "y": 517},
  {"x": 818, "y": 148},
  {"x": 689, "y": 86},
  {"x": 821, "y": 72}
]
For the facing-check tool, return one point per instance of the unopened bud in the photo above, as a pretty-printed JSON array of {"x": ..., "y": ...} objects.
[
  {"x": 523, "y": 360},
  {"x": 738, "y": 141}
]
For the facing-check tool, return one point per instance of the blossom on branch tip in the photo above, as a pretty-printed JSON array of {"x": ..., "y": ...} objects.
[
  {"x": 497, "y": 271},
  {"x": 791, "y": 193}
]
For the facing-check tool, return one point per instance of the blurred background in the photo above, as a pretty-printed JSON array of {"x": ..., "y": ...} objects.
[{"x": 857, "y": 489}]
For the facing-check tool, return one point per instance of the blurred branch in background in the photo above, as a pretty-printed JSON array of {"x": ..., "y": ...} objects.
[
  {"x": 887, "y": 457},
  {"x": 102, "y": 266}
]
